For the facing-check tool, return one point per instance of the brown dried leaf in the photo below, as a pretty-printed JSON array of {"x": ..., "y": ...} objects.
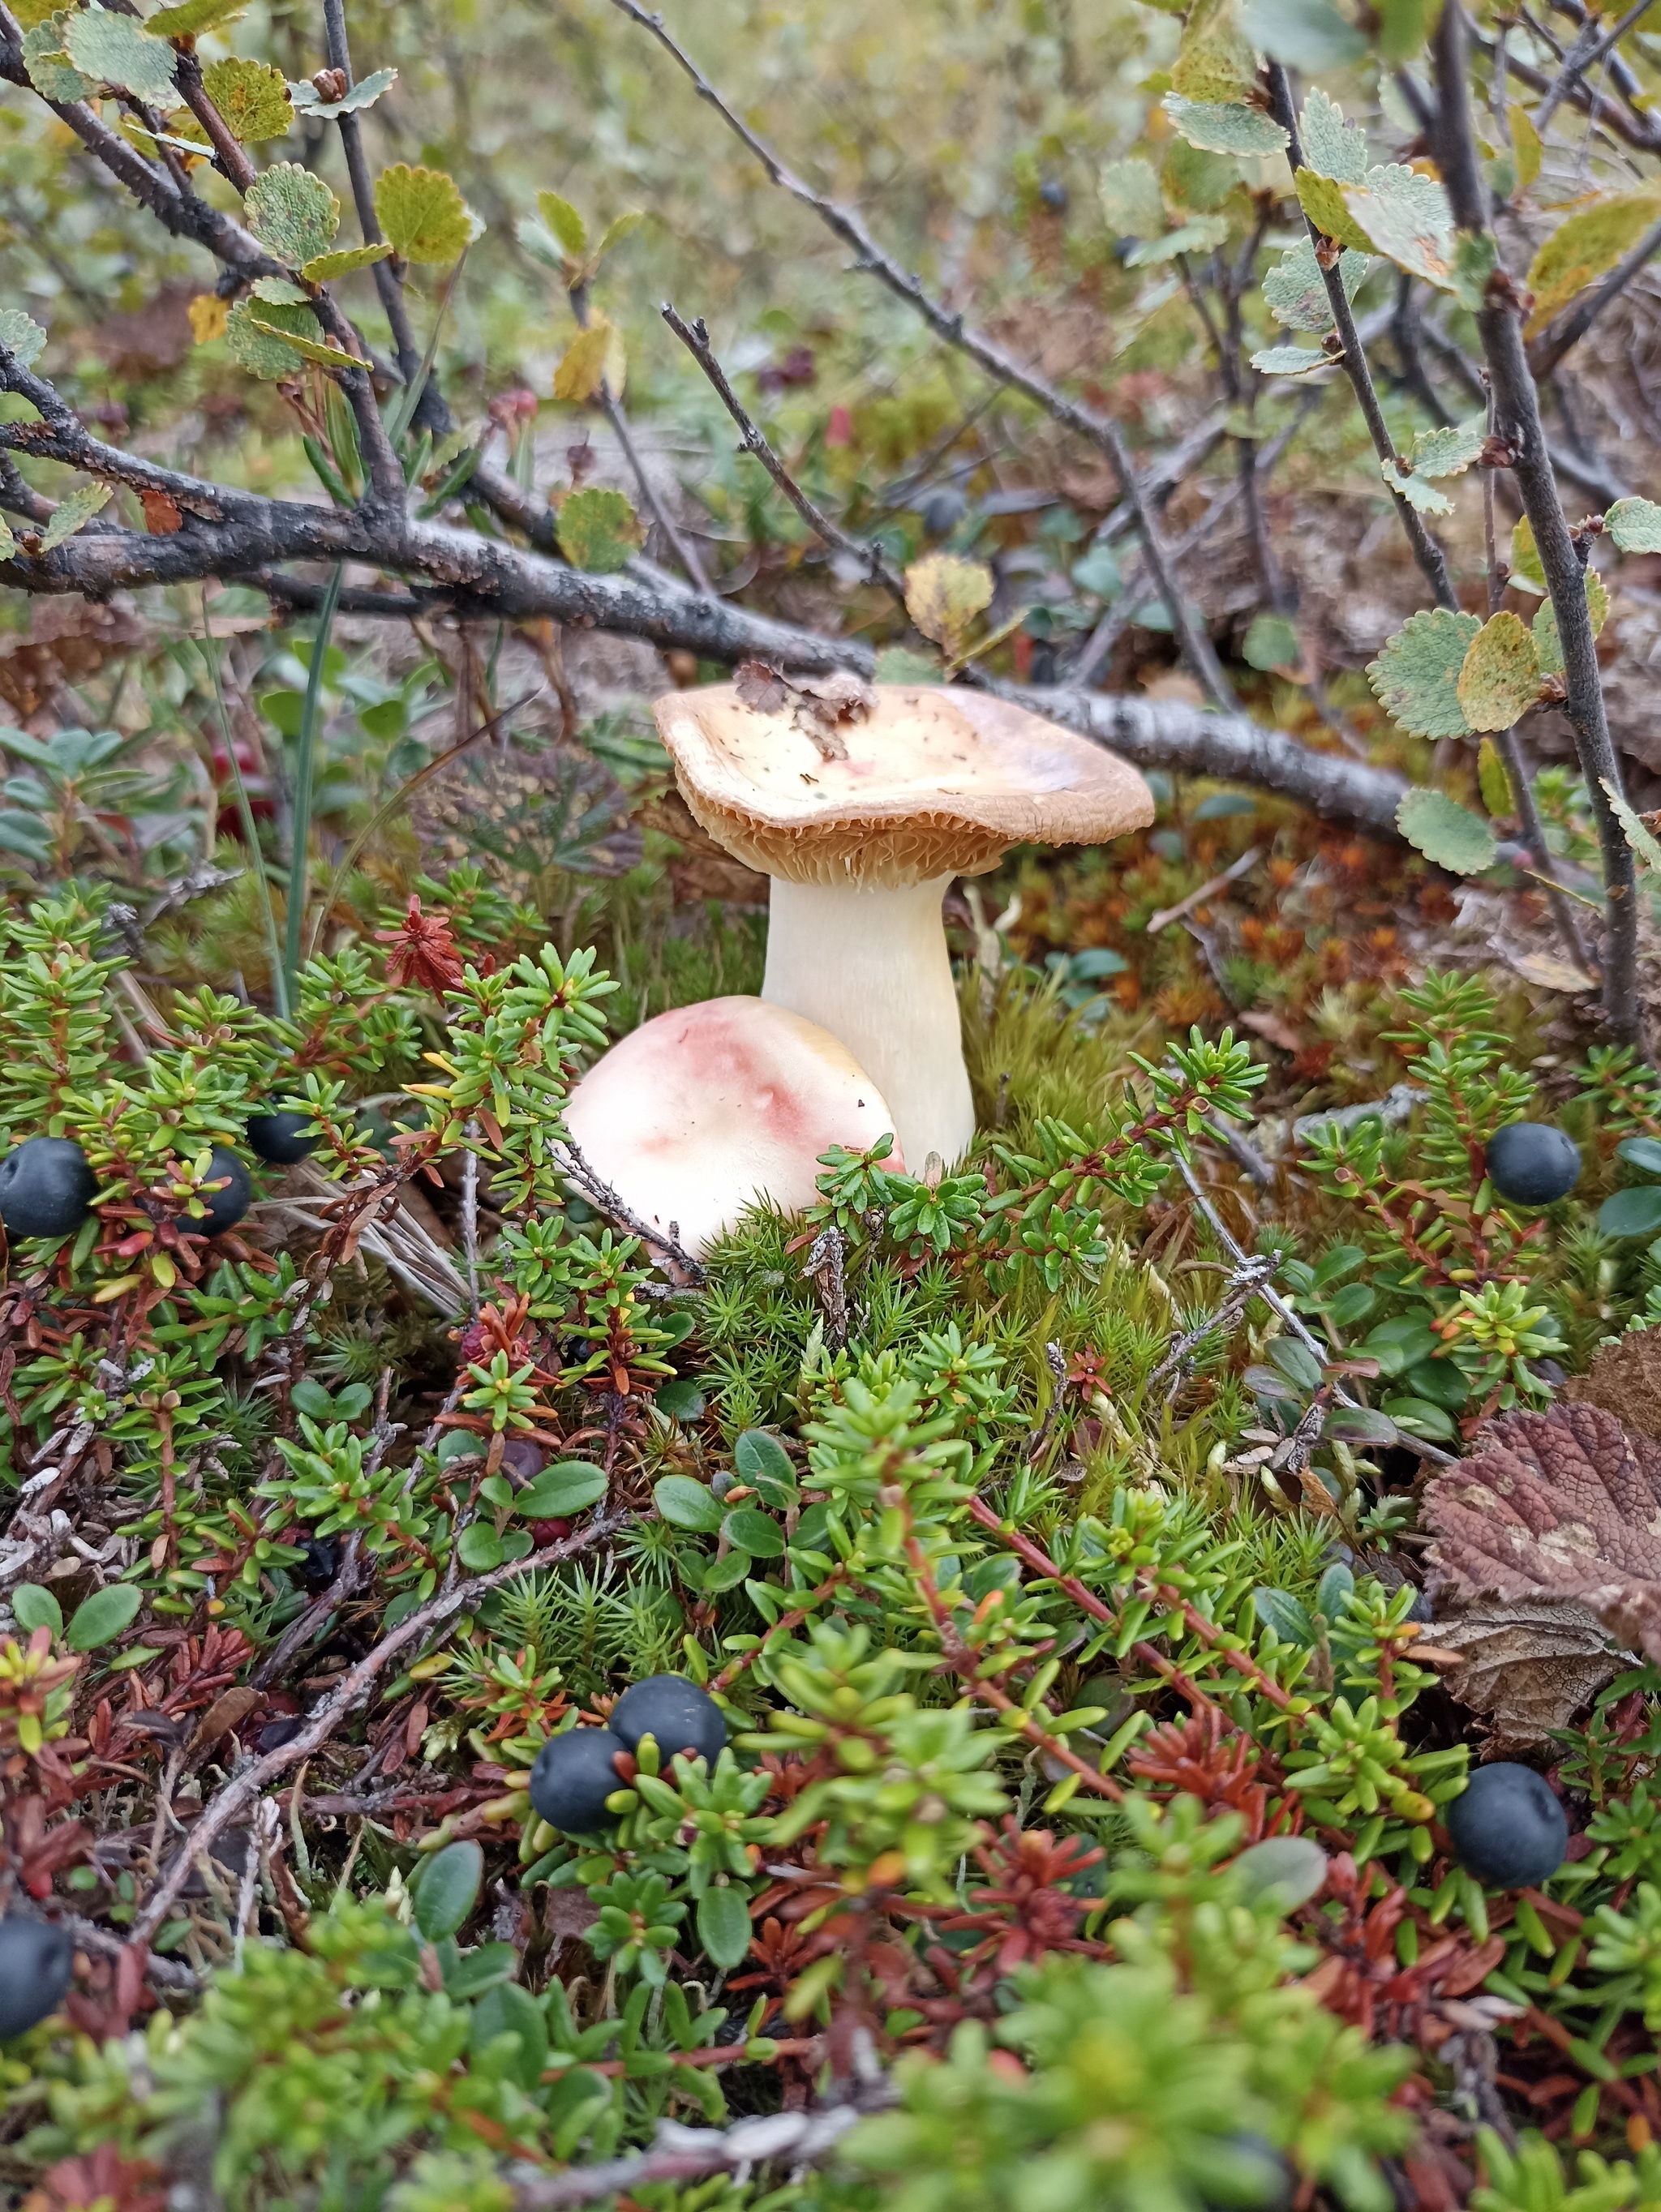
[
  {"x": 1529, "y": 1666},
  {"x": 761, "y": 689},
  {"x": 1625, "y": 1379},
  {"x": 1562, "y": 1505},
  {"x": 162, "y": 515}
]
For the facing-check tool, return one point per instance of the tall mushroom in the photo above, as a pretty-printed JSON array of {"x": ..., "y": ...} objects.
[{"x": 862, "y": 802}]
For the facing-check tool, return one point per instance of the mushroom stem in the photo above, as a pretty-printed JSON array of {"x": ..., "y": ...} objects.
[{"x": 869, "y": 963}]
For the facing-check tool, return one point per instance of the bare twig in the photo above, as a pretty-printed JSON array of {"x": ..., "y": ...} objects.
[
  {"x": 1517, "y": 417},
  {"x": 1551, "y": 345},
  {"x": 600, "y": 1194},
  {"x": 949, "y": 324},
  {"x": 680, "y": 2154},
  {"x": 1233, "y": 873},
  {"x": 228, "y": 1802},
  {"x": 871, "y": 557}
]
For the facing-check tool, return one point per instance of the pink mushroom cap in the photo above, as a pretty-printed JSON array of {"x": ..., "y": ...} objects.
[{"x": 698, "y": 1113}]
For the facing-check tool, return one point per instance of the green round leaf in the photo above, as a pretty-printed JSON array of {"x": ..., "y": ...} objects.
[
  {"x": 755, "y": 1532},
  {"x": 1445, "y": 832},
  {"x": 598, "y": 531},
  {"x": 1416, "y": 675},
  {"x": 292, "y": 212},
  {"x": 1278, "y": 1609},
  {"x": 423, "y": 213},
  {"x": 34, "y": 1606},
  {"x": 560, "y": 1490},
  {"x": 685, "y": 1503},
  {"x": 761, "y": 1460},
  {"x": 724, "y": 1926},
  {"x": 681, "y": 1399},
  {"x": 1631, "y": 1214},
  {"x": 1289, "y": 1869},
  {"x": 727, "y": 1574},
  {"x": 101, "y": 1618},
  {"x": 1643, "y": 1152},
  {"x": 1635, "y": 525},
  {"x": 448, "y": 1890},
  {"x": 1419, "y": 1418},
  {"x": 478, "y": 1547}
]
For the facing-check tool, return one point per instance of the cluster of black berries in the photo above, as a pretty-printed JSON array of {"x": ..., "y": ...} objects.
[
  {"x": 577, "y": 1772},
  {"x": 47, "y": 1186}
]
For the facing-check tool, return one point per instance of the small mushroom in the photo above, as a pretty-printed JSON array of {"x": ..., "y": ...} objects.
[
  {"x": 862, "y": 802},
  {"x": 696, "y": 1114}
]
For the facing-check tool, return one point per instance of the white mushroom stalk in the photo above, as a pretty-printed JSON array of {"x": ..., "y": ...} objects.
[
  {"x": 862, "y": 802},
  {"x": 868, "y": 962}
]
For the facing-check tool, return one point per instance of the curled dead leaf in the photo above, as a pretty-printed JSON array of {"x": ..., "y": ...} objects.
[
  {"x": 1561, "y": 1505},
  {"x": 1529, "y": 1666}
]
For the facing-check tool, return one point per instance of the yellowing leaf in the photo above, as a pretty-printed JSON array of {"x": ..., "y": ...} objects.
[
  {"x": 578, "y": 376},
  {"x": 1408, "y": 219},
  {"x": 1500, "y": 678},
  {"x": 1585, "y": 247},
  {"x": 73, "y": 514},
  {"x": 251, "y": 96},
  {"x": 8, "y": 543},
  {"x": 1215, "y": 61},
  {"x": 1416, "y": 675},
  {"x": 325, "y": 355},
  {"x": 1547, "y": 642},
  {"x": 192, "y": 17},
  {"x": 564, "y": 220},
  {"x": 327, "y": 266},
  {"x": 208, "y": 314},
  {"x": 1525, "y": 570},
  {"x": 292, "y": 212},
  {"x": 1524, "y": 143},
  {"x": 423, "y": 213},
  {"x": 31, "y": 12},
  {"x": 943, "y": 594},
  {"x": 113, "y": 50},
  {"x": 598, "y": 530},
  {"x": 1321, "y": 199},
  {"x": 249, "y": 330},
  {"x": 1494, "y": 780}
]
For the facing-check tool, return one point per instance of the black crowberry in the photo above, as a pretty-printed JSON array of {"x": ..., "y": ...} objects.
[
  {"x": 45, "y": 1187},
  {"x": 280, "y": 1137},
  {"x": 1507, "y": 1828},
  {"x": 36, "y": 1962},
  {"x": 226, "y": 1205},
  {"x": 1053, "y": 192},
  {"x": 573, "y": 1777},
  {"x": 1533, "y": 1163},
  {"x": 321, "y": 1563},
  {"x": 942, "y": 511},
  {"x": 676, "y": 1713}
]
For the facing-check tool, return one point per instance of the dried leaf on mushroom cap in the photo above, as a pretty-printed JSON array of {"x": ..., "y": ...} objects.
[{"x": 817, "y": 704}]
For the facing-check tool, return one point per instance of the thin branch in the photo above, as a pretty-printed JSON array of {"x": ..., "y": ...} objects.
[
  {"x": 1425, "y": 551},
  {"x": 223, "y": 1807},
  {"x": 1516, "y": 418},
  {"x": 947, "y": 323},
  {"x": 680, "y": 2154},
  {"x": 600, "y": 1194},
  {"x": 1588, "y": 52},
  {"x": 870, "y": 556}
]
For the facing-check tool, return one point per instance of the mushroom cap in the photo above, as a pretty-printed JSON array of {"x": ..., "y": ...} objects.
[
  {"x": 935, "y": 782},
  {"x": 696, "y": 1114}
]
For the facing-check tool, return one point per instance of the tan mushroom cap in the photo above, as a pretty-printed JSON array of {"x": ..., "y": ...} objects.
[
  {"x": 936, "y": 782},
  {"x": 696, "y": 1114}
]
